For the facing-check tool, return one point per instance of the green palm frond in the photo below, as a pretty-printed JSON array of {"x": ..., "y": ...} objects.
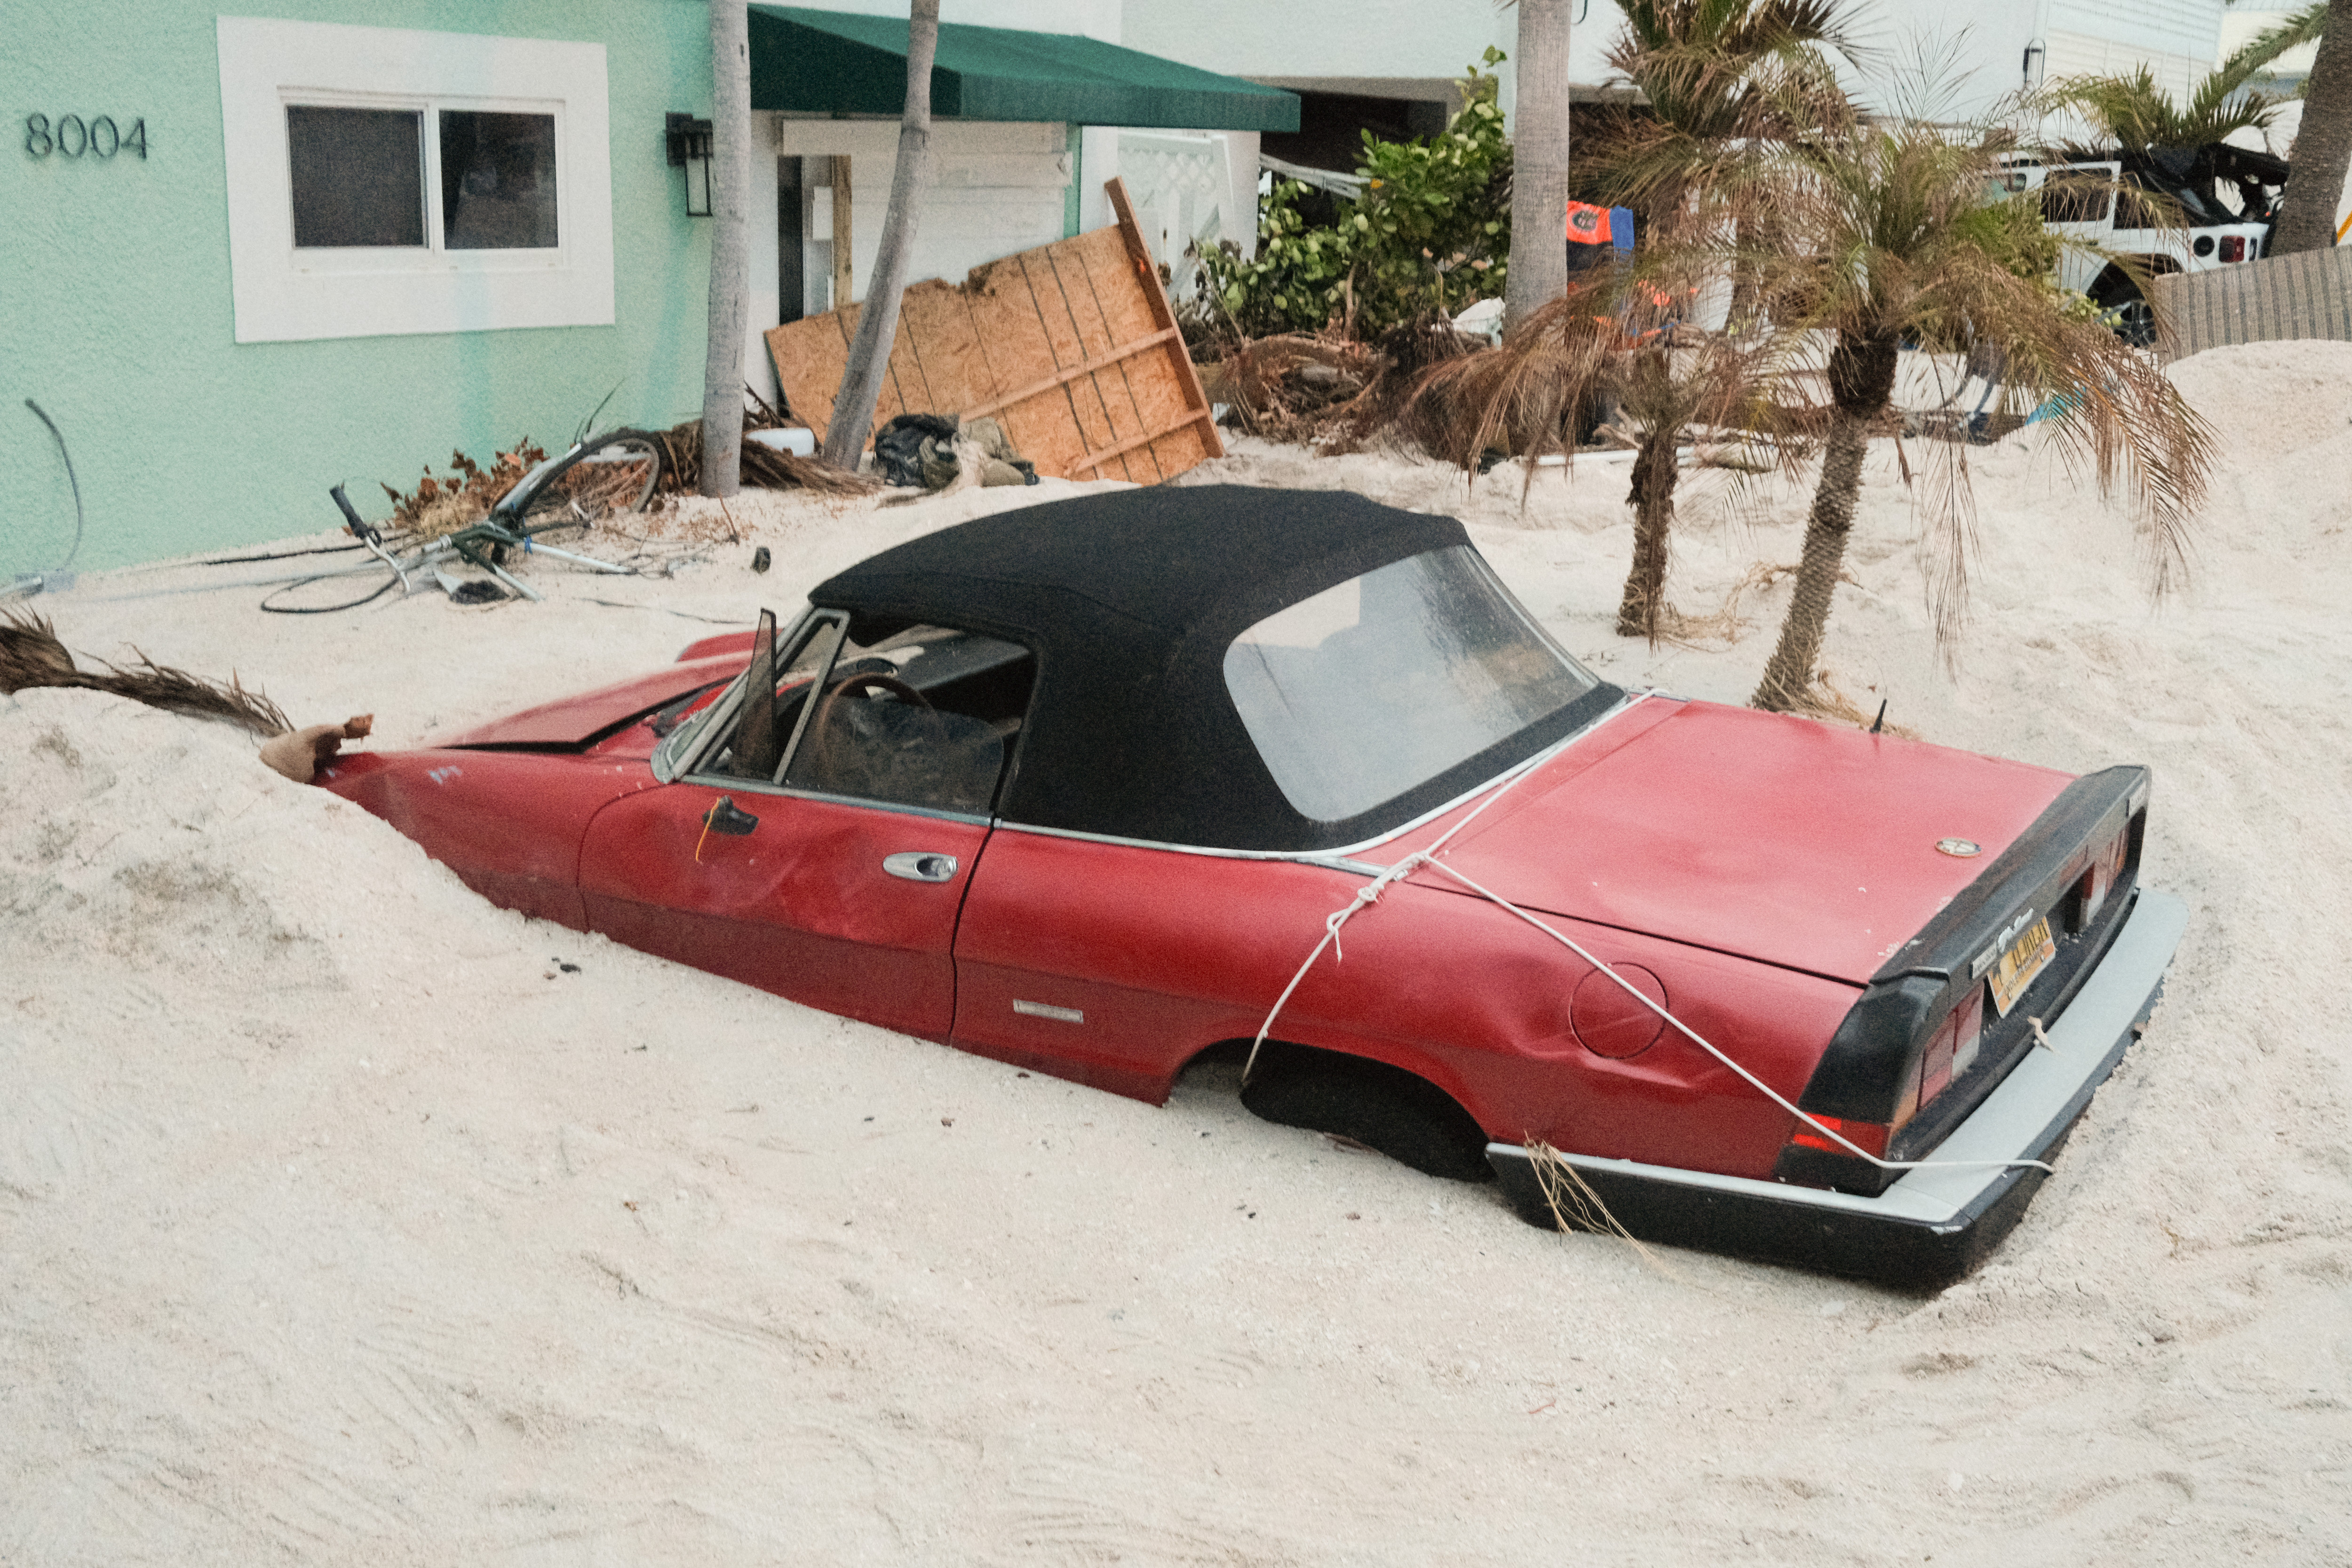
[
  {"x": 2300, "y": 27},
  {"x": 2135, "y": 113},
  {"x": 1751, "y": 28}
]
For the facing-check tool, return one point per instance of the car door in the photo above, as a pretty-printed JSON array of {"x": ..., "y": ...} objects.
[{"x": 805, "y": 882}]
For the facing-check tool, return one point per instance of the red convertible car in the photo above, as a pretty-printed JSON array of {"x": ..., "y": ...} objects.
[{"x": 1083, "y": 786}]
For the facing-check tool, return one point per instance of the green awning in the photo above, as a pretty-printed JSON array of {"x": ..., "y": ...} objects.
[{"x": 831, "y": 62}]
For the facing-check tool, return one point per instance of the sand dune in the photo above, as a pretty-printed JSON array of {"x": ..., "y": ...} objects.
[{"x": 343, "y": 1223}]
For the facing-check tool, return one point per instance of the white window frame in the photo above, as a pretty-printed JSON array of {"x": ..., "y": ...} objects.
[{"x": 283, "y": 294}]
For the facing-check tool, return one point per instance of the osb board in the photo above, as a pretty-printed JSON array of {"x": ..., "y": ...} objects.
[{"x": 1071, "y": 347}]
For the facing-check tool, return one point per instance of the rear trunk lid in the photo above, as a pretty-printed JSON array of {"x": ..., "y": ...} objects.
[{"x": 1796, "y": 843}]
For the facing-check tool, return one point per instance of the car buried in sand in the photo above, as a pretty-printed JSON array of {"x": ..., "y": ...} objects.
[{"x": 1104, "y": 786}]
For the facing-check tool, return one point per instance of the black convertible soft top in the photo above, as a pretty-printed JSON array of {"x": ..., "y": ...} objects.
[{"x": 1128, "y": 601}]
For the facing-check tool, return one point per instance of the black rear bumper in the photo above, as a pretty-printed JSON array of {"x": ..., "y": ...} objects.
[{"x": 1933, "y": 1225}]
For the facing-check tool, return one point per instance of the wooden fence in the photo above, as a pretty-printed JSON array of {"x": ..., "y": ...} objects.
[
  {"x": 1071, "y": 347},
  {"x": 2307, "y": 295}
]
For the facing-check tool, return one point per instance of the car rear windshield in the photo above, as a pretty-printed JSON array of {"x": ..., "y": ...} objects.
[{"x": 1357, "y": 695}]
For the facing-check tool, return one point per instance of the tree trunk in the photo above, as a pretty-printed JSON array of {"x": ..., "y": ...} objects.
[
  {"x": 1655, "y": 470},
  {"x": 1539, "y": 190},
  {"x": 1790, "y": 672},
  {"x": 2322, "y": 146},
  {"x": 731, "y": 193},
  {"x": 878, "y": 323},
  {"x": 1862, "y": 385}
]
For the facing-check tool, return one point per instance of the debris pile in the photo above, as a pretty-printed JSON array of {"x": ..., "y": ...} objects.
[
  {"x": 760, "y": 465},
  {"x": 439, "y": 505},
  {"x": 1334, "y": 394},
  {"x": 941, "y": 452}
]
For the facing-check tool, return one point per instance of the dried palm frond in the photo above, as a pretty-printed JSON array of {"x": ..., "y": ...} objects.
[
  {"x": 1575, "y": 1206},
  {"x": 1298, "y": 387},
  {"x": 31, "y": 656},
  {"x": 1603, "y": 344},
  {"x": 439, "y": 505},
  {"x": 760, "y": 465}
]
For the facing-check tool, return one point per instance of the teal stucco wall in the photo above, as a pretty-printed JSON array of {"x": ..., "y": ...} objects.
[{"x": 115, "y": 294}]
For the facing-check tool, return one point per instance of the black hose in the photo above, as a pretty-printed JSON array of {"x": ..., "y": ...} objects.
[
  {"x": 279, "y": 555},
  {"x": 70, "y": 478},
  {"x": 320, "y": 609}
]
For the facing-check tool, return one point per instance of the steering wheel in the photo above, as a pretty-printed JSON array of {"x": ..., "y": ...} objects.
[
  {"x": 821, "y": 722},
  {"x": 875, "y": 680}
]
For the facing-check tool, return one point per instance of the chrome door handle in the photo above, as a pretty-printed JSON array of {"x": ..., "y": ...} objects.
[{"x": 921, "y": 865}]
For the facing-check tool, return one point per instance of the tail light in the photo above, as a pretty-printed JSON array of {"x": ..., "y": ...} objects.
[
  {"x": 1951, "y": 1052},
  {"x": 2234, "y": 248},
  {"x": 2105, "y": 870},
  {"x": 1870, "y": 1137},
  {"x": 1954, "y": 1050}
]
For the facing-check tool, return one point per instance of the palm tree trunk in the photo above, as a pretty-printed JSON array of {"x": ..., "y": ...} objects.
[
  {"x": 731, "y": 157},
  {"x": 1862, "y": 388},
  {"x": 1539, "y": 269},
  {"x": 1790, "y": 672},
  {"x": 2322, "y": 146},
  {"x": 878, "y": 323},
  {"x": 1655, "y": 470}
]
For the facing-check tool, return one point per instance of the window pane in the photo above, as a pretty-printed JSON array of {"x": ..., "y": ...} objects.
[
  {"x": 765, "y": 726},
  {"x": 922, "y": 719},
  {"x": 2075, "y": 199},
  {"x": 358, "y": 175},
  {"x": 497, "y": 181},
  {"x": 1367, "y": 689}
]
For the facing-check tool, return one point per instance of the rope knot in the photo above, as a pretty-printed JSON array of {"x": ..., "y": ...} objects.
[{"x": 1366, "y": 896}]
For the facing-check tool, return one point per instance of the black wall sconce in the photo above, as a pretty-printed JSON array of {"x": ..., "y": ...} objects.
[
  {"x": 2034, "y": 56},
  {"x": 689, "y": 140}
]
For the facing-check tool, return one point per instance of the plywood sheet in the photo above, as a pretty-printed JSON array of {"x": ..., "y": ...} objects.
[{"x": 1072, "y": 347}]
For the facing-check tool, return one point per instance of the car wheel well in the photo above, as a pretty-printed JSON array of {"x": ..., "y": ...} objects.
[{"x": 1391, "y": 1110}]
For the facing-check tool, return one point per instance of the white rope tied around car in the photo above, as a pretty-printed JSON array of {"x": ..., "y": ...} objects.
[{"x": 1371, "y": 893}]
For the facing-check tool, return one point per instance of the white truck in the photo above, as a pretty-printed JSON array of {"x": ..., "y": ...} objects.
[{"x": 2226, "y": 199}]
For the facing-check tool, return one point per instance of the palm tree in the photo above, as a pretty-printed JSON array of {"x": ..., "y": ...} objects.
[
  {"x": 1694, "y": 60},
  {"x": 2323, "y": 143},
  {"x": 1896, "y": 241},
  {"x": 1616, "y": 345},
  {"x": 1722, "y": 80},
  {"x": 722, "y": 364},
  {"x": 1539, "y": 185},
  {"x": 878, "y": 323}
]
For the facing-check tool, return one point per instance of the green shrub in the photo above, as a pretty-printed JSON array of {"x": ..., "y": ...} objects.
[{"x": 1430, "y": 231}]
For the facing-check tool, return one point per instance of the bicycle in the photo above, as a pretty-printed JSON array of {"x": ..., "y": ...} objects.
[{"x": 618, "y": 472}]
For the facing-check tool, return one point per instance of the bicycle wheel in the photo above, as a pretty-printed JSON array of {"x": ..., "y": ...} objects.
[{"x": 615, "y": 472}]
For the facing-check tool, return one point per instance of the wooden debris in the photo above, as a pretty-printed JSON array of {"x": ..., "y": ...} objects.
[{"x": 1072, "y": 348}]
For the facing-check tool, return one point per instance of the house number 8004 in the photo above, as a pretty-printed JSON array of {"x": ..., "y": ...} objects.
[{"x": 72, "y": 136}]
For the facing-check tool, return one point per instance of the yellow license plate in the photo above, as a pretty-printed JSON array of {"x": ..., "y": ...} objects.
[{"x": 2027, "y": 957}]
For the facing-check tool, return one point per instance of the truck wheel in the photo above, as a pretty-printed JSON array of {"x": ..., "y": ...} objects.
[
  {"x": 1387, "y": 1108},
  {"x": 2128, "y": 312}
]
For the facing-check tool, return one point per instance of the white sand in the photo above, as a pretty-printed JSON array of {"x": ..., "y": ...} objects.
[{"x": 340, "y": 1225}]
